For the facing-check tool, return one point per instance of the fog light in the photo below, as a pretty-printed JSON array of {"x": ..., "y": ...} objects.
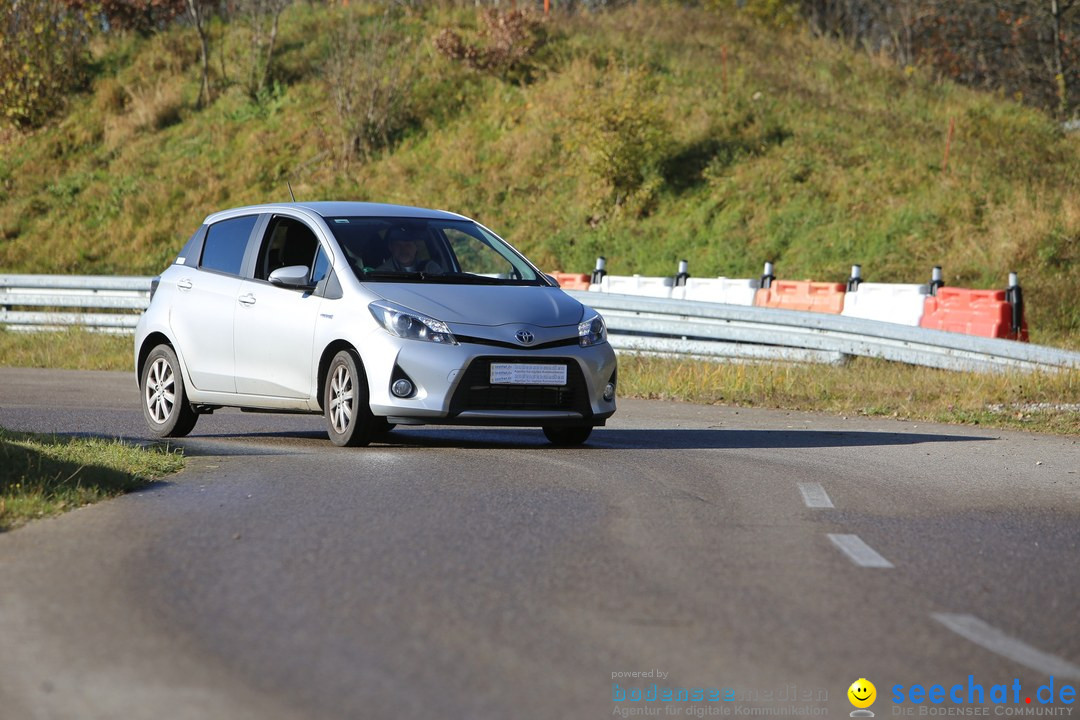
[
  {"x": 609, "y": 392},
  {"x": 402, "y": 388}
]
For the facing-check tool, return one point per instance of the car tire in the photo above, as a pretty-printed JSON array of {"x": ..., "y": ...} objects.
[
  {"x": 164, "y": 399},
  {"x": 567, "y": 435},
  {"x": 349, "y": 421}
]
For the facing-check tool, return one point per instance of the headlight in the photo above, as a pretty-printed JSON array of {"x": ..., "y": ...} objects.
[
  {"x": 592, "y": 331},
  {"x": 405, "y": 323}
]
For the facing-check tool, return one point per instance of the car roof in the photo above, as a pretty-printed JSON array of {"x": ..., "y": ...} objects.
[{"x": 341, "y": 209}]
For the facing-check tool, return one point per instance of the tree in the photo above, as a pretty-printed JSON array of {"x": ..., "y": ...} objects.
[
  {"x": 367, "y": 76},
  {"x": 1025, "y": 47},
  {"x": 263, "y": 17},
  {"x": 198, "y": 12},
  {"x": 43, "y": 56},
  {"x": 1058, "y": 11},
  {"x": 1029, "y": 48}
]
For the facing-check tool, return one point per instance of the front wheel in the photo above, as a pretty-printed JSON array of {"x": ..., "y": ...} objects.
[
  {"x": 165, "y": 405},
  {"x": 349, "y": 421},
  {"x": 568, "y": 435}
]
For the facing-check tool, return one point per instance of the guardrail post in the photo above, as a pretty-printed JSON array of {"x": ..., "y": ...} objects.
[
  {"x": 935, "y": 280},
  {"x": 767, "y": 277},
  {"x": 855, "y": 279},
  {"x": 683, "y": 274},
  {"x": 1015, "y": 296},
  {"x": 600, "y": 271}
]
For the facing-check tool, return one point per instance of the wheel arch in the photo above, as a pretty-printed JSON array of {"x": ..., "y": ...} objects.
[
  {"x": 326, "y": 358},
  {"x": 150, "y": 342}
]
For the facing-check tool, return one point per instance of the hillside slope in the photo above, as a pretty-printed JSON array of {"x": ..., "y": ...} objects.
[{"x": 645, "y": 135}]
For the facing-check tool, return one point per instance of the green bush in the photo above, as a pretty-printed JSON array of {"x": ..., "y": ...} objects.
[{"x": 623, "y": 136}]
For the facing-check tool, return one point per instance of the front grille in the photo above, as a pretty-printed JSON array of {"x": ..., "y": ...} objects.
[
  {"x": 565, "y": 342},
  {"x": 475, "y": 391}
]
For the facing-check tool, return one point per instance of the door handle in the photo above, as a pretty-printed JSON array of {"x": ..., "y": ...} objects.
[
  {"x": 247, "y": 299},
  {"x": 184, "y": 284}
]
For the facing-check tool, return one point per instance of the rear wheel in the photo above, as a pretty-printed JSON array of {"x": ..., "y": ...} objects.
[
  {"x": 165, "y": 405},
  {"x": 569, "y": 435},
  {"x": 349, "y": 421}
]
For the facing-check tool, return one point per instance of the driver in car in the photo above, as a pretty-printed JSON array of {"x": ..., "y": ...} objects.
[{"x": 403, "y": 254}]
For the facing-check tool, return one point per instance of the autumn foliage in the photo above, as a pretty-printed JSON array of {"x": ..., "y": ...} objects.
[
  {"x": 43, "y": 53},
  {"x": 144, "y": 16},
  {"x": 504, "y": 43}
]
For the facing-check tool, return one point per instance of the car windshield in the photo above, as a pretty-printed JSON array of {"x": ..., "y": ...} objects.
[{"x": 433, "y": 251}]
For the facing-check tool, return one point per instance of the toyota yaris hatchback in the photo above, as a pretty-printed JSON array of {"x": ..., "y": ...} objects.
[{"x": 372, "y": 315}]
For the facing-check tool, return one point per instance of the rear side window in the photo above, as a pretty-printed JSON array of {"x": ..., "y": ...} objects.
[{"x": 225, "y": 244}]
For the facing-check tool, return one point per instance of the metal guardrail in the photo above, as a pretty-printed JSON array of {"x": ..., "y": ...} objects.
[
  {"x": 635, "y": 324},
  {"x": 113, "y": 300},
  {"x": 714, "y": 330}
]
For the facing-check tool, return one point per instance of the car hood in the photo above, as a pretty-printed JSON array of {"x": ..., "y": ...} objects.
[{"x": 485, "y": 304}]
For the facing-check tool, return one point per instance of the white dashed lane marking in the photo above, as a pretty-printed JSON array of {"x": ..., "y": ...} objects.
[
  {"x": 814, "y": 495},
  {"x": 858, "y": 551},
  {"x": 989, "y": 637}
]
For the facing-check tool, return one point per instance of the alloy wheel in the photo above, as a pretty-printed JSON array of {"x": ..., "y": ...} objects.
[
  {"x": 160, "y": 390},
  {"x": 341, "y": 399}
]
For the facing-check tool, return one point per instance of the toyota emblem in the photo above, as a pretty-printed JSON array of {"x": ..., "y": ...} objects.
[{"x": 524, "y": 337}]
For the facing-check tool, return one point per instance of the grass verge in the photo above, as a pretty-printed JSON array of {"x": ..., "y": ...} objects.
[
  {"x": 74, "y": 349},
  {"x": 42, "y": 475},
  {"x": 1043, "y": 402}
]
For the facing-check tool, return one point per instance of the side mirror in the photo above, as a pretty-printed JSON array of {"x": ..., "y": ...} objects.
[{"x": 292, "y": 276}]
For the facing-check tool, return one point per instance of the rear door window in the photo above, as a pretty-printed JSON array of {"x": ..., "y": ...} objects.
[{"x": 226, "y": 241}]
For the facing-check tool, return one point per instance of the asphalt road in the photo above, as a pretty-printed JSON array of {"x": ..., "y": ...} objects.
[{"x": 475, "y": 573}]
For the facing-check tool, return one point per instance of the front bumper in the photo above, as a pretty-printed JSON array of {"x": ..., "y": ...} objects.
[{"x": 452, "y": 384}]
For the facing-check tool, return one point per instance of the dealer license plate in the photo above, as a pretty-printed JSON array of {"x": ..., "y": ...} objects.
[{"x": 525, "y": 374}]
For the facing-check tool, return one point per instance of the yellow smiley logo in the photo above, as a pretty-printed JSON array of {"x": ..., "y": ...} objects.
[{"x": 862, "y": 693}]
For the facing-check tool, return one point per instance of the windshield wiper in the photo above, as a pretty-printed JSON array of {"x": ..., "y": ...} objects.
[
  {"x": 448, "y": 278},
  {"x": 463, "y": 278},
  {"x": 393, "y": 275},
  {"x": 470, "y": 278}
]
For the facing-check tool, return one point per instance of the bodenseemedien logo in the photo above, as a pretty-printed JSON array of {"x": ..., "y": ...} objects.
[{"x": 862, "y": 695}]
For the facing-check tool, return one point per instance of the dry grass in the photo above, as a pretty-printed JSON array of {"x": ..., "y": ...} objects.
[
  {"x": 151, "y": 108},
  {"x": 74, "y": 349},
  {"x": 1045, "y": 402}
]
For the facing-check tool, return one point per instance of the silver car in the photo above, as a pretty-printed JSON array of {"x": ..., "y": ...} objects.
[{"x": 374, "y": 316}]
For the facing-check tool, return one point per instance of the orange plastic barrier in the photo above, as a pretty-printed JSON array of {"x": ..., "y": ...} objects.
[
  {"x": 571, "y": 281},
  {"x": 802, "y": 295},
  {"x": 973, "y": 312}
]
